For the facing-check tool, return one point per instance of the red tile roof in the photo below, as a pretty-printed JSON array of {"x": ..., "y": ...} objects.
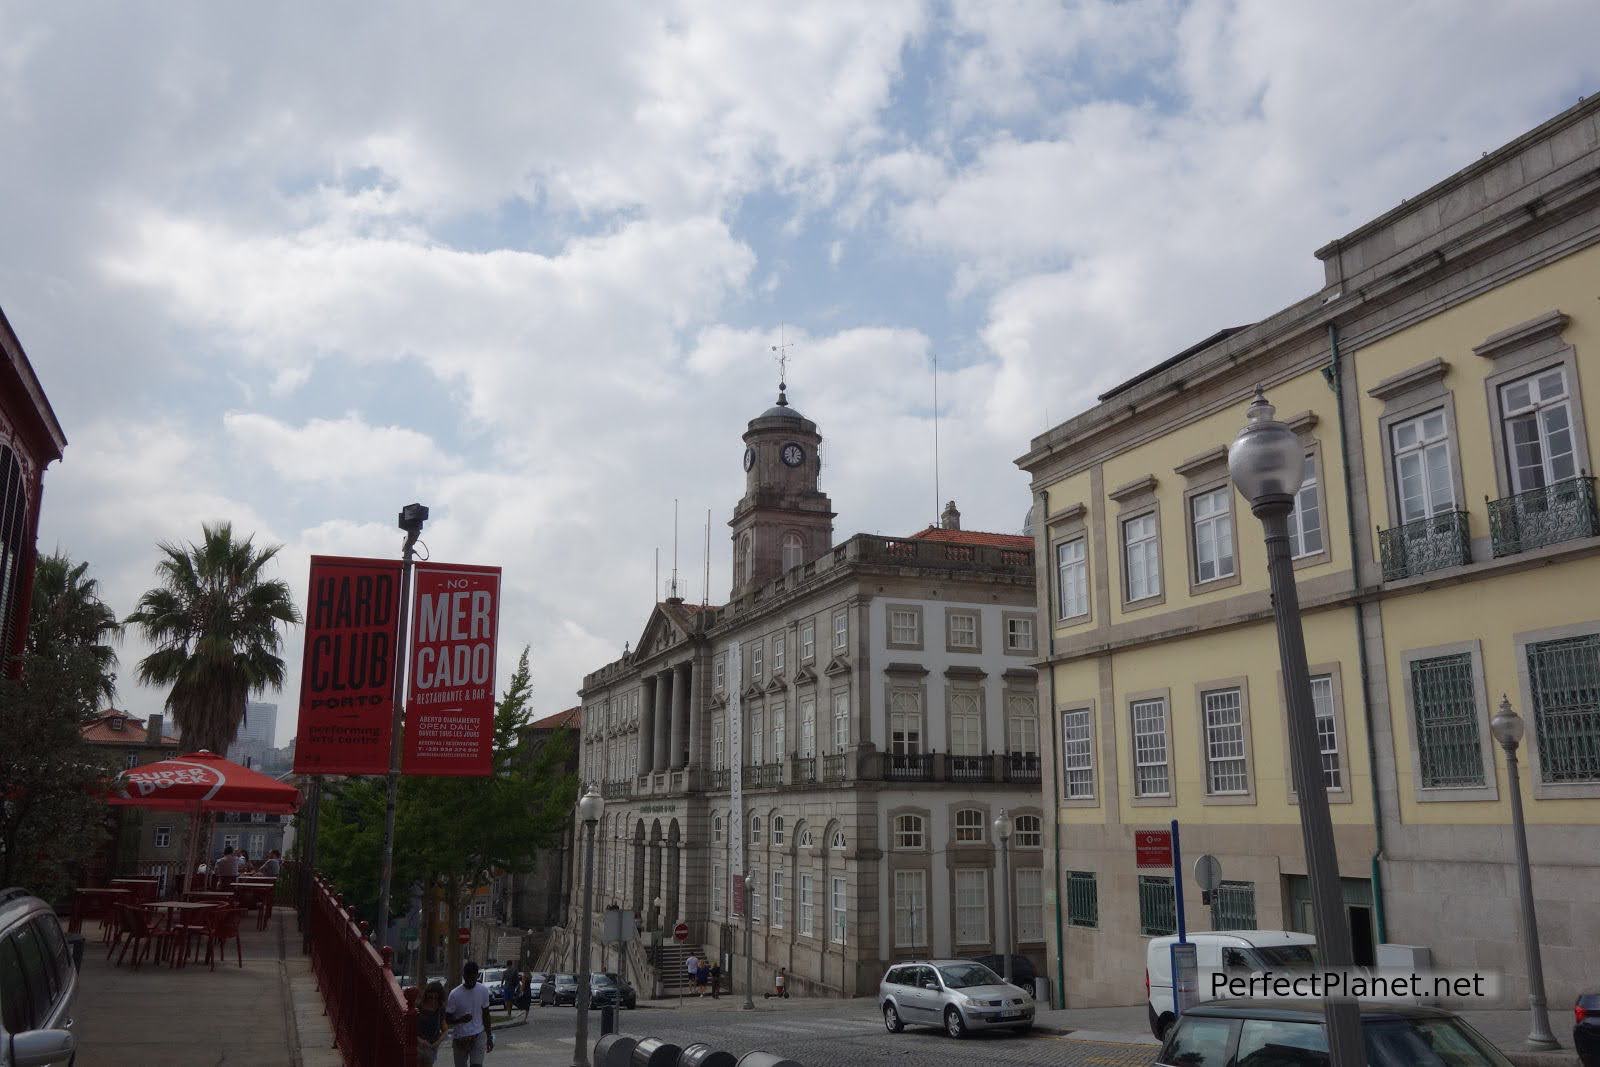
[
  {"x": 102, "y": 732},
  {"x": 1021, "y": 542},
  {"x": 572, "y": 717}
]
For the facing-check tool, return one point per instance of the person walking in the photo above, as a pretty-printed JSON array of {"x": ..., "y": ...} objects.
[
  {"x": 716, "y": 981},
  {"x": 508, "y": 986},
  {"x": 691, "y": 967},
  {"x": 467, "y": 1012},
  {"x": 430, "y": 1024}
]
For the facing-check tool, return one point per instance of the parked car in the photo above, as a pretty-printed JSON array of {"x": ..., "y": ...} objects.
[
  {"x": 607, "y": 990},
  {"x": 1250, "y": 1031},
  {"x": 561, "y": 989},
  {"x": 1586, "y": 1027},
  {"x": 1022, "y": 971},
  {"x": 38, "y": 984},
  {"x": 535, "y": 984},
  {"x": 1230, "y": 952},
  {"x": 959, "y": 995},
  {"x": 493, "y": 979}
]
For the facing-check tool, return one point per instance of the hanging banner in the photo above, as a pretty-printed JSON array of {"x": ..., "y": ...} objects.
[
  {"x": 347, "y": 676},
  {"x": 455, "y": 623}
]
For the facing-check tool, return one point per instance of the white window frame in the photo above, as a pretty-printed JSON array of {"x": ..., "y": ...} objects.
[
  {"x": 839, "y": 841},
  {"x": 1328, "y": 739},
  {"x": 1211, "y": 530},
  {"x": 1154, "y": 755},
  {"x": 775, "y": 829},
  {"x": 719, "y": 672},
  {"x": 963, "y": 629},
  {"x": 757, "y": 653},
  {"x": 756, "y": 886},
  {"x": 1536, "y": 408},
  {"x": 793, "y": 550},
  {"x": 1307, "y": 501},
  {"x": 839, "y": 902},
  {"x": 841, "y": 630},
  {"x": 905, "y": 626},
  {"x": 1019, "y": 626},
  {"x": 805, "y": 905},
  {"x": 779, "y": 652},
  {"x": 1426, "y": 448},
  {"x": 910, "y": 909},
  {"x": 972, "y": 906},
  {"x": 808, "y": 727},
  {"x": 163, "y": 837},
  {"x": 969, "y": 827},
  {"x": 1077, "y": 753},
  {"x": 758, "y": 736},
  {"x": 1226, "y": 741},
  {"x": 1072, "y": 578},
  {"x": 1028, "y": 883},
  {"x": 905, "y": 721},
  {"x": 716, "y": 828},
  {"x": 775, "y": 920},
  {"x": 909, "y": 833},
  {"x": 808, "y": 640},
  {"x": 719, "y": 742},
  {"x": 1030, "y": 837},
  {"x": 966, "y": 723},
  {"x": 841, "y": 721},
  {"x": 719, "y": 885},
  {"x": 777, "y": 722},
  {"x": 230, "y": 841},
  {"x": 755, "y": 829},
  {"x": 1141, "y": 550},
  {"x": 1022, "y": 724}
]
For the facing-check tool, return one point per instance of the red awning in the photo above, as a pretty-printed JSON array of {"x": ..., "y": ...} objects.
[{"x": 202, "y": 781}]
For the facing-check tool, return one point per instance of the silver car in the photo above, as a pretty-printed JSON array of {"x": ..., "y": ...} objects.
[
  {"x": 38, "y": 984},
  {"x": 958, "y": 995}
]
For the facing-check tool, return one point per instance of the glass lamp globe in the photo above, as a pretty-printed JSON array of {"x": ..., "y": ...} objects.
[
  {"x": 1002, "y": 826},
  {"x": 1266, "y": 460},
  {"x": 1507, "y": 725},
  {"x": 591, "y": 806}
]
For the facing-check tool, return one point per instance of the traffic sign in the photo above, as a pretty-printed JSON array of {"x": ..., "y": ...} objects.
[
  {"x": 680, "y": 933},
  {"x": 1208, "y": 873},
  {"x": 463, "y": 936},
  {"x": 1152, "y": 848}
]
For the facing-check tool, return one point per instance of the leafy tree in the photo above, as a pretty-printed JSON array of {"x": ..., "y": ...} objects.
[
  {"x": 67, "y": 614},
  {"x": 215, "y": 621}
]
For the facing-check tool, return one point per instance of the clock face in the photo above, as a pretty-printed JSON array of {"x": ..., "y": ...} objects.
[
  {"x": 749, "y": 458},
  {"x": 793, "y": 454}
]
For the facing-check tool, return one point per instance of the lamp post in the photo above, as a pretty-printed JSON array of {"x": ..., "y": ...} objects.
[
  {"x": 1508, "y": 726},
  {"x": 411, "y": 519},
  {"x": 749, "y": 946},
  {"x": 590, "y": 807},
  {"x": 1267, "y": 463},
  {"x": 1002, "y": 833}
]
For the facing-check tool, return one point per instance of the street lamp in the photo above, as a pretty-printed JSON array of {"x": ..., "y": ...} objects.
[
  {"x": 1508, "y": 727},
  {"x": 1267, "y": 464},
  {"x": 1002, "y": 833},
  {"x": 590, "y": 807}
]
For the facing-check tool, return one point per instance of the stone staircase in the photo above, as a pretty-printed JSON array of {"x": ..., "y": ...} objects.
[{"x": 674, "y": 979}]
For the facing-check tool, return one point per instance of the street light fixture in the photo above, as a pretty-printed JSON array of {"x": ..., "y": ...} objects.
[
  {"x": 590, "y": 807},
  {"x": 1267, "y": 463},
  {"x": 1003, "y": 826},
  {"x": 1508, "y": 728}
]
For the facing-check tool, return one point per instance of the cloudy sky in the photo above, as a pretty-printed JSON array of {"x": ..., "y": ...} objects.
[{"x": 296, "y": 266}]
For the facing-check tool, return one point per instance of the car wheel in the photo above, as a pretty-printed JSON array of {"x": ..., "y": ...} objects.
[
  {"x": 891, "y": 1019},
  {"x": 954, "y": 1024},
  {"x": 1164, "y": 1024}
]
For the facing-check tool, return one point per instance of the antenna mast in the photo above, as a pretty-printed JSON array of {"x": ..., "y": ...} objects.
[
  {"x": 673, "y": 589},
  {"x": 936, "y": 497},
  {"x": 705, "y": 588},
  {"x": 655, "y": 590}
]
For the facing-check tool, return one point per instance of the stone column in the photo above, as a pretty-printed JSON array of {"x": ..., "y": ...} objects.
[
  {"x": 680, "y": 714},
  {"x": 647, "y": 728},
  {"x": 662, "y": 716},
  {"x": 694, "y": 714}
]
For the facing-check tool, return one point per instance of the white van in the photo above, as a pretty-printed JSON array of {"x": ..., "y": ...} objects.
[{"x": 1230, "y": 952}]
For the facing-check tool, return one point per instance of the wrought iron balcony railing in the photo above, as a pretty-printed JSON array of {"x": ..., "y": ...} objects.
[
  {"x": 833, "y": 768},
  {"x": 908, "y": 766},
  {"x": 615, "y": 790},
  {"x": 1022, "y": 768},
  {"x": 719, "y": 778},
  {"x": 763, "y": 776},
  {"x": 967, "y": 768},
  {"x": 805, "y": 769},
  {"x": 1549, "y": 515},
  {"x": 1425, "y": 545}
]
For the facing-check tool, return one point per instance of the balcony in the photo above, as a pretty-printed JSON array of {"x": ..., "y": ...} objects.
[
  {"x": 1022, "y": 769},
  {"x": 1549, "y": 515},
  {"x": 1431, "y": 544},
  {"x": 763, "y": 776},
  {"x": 908, "y": 766},
  {"x": 719, "y": 778},
  {"x": 967, "y": 768},
  {"x": 805, "y": 770},
  {"x": 614, "y": 790},
  {"x": 833, "y": 768}
]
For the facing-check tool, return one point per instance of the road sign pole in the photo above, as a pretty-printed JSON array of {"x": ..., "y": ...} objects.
[{"x": 1177, "y": 883}]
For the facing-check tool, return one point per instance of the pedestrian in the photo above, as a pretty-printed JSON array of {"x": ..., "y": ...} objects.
[
  {"x": 691, "y": 967},
  {"x": 716, "y": 981},
  {"x": 780, "y": 986},
  {"x": 271, "y": 865},
  {"x": 525, "y": 994},
  {"x": 430, "y": 1024},
  {"x": 508, "y": 987},
  {"x": 467, "y": 1012},
  {"x": 701, "y": 978}
]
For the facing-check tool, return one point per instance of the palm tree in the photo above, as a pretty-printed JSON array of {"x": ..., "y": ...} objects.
[
  {"x": 215, "y": 623},
  {"x": 67, "y": 616}
]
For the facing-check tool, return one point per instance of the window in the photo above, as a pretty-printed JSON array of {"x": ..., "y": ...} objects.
[
  {"x": 1158, "y": 907},
  {"x": 1305, "y": 521},
  {"x": 1142, "y": 553},
  {"x": 1077, "y": 753},
  {"x": 1564, "y": 679},
  {"x": 230, "y": 841},
  {"x": 905, "y": 721},
  {"x": 131, "y": 760},
  {"x": 910, "y": 909},
  {"x": 777, "y": 896},
  {"x": 1027, "y": 832},
  {"x": 777, "y": 829},
  {"x": 719, "y": 885},
  {"x": 1019, "y": 633},
  {"x": 1422, "y": 466},
  {"x": 841, "y": 631},
  {"x": 838, "y": 911},
  {"x": 163, "y": 836},
  {"x": 1213, "y": 534},
  {"x": 838, "y": 841},
  {"x": 1289, "y": 1044},
  {"x": 966, "y": 725},
  {"x": 1327, "y": 731},
  {"x": 1537, "y": 422},
  {"x": 1236, "y": 906},
  {"x": 806, "y": 907},
  {"x": 758, "y": 728},
  {"x": 969, "y": 826},
  {"x": 719, "y": 742},
  {"x": 1083, "y": 901},
  {"x": 794, "y": 551},
  {"x": 808, "y": 640},
  {"x": 778, "y": 738},
  {"x": 754, "y": 886},
  {"x": 258, "y": 845},
  {"x": 746, "y": 558},
  {"x": 808, "y": 727},
  {"x": 756, "y": 652},
  {"x": 907, "y": 832},
  {"x": 905, "y": 626},
  {"x": 755, "y": 829},
  {"x": 1202, "y": 1042},
  {"x": 972, "y": 906},
  {"x": 963, "y": 630},
  {"x": 1022, "y": 725},
  {"x": 1444, "y": 700},
  {"x": 1150, "y": 748},
  {"x": 1029, "y": 887},
  {"x": 716, "y": 829},
  {"x": 1072, "y": 579},
  {"x": 841, "y": 721},
  {"x": 779, "y": 647},
  {"x": 1226, "y": 769}
]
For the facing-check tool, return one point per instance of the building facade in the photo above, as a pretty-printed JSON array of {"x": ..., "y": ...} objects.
[
  {"x": 147, "y": 841},
  {"x": 835, "y": 740},
  {"x": 1446, "y": 552}
]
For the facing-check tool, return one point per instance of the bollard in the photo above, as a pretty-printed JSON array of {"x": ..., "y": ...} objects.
[
  {"x": 702, "y": 1055},
  {"x": 654, "y": 1052},
  {"x": 766, "y": 1059},
  {"x": 608, "y": 1019},
  {"x": 614, "y": 1050}
]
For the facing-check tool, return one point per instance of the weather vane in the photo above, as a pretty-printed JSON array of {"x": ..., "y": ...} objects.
[{"x": 782, "y": 349}]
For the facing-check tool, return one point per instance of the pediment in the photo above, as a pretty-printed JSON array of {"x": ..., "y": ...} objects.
[
  {"x": 776, "y": 685},
  {"x": 805, "y": 675},
  {"x": 661, "y": 632},
  {"x": 836, "y": 666}
]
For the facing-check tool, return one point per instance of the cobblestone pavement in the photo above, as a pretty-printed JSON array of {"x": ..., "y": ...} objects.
[{"x": 815, "y": 1033}]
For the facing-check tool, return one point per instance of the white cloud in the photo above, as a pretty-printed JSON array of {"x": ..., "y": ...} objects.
[{"x": 337, "y": 450}]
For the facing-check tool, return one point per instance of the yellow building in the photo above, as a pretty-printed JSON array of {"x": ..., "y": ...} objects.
[{"x": 1446, "y": 554}]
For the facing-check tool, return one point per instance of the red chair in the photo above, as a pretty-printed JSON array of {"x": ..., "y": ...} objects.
[
  {"x": 140, "y": 934},
  {"x": 224, "y": 927}
]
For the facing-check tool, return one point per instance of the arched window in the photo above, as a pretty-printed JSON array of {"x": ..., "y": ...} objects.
[
  {"x": 777, "y": 829},
  {"x": 907, "y": 831},
  {"x": 746, "y": 557},
  {"x": 755, "y": 829},
  {"x": 838, "y": 840},
  {"x": 1028, "y": 833},
  {"x": 794, "y": 551},
  {"x": 716, "y": 829},
  {"x": 807, "y": 839},
  {"x": 969, "y": 827}
]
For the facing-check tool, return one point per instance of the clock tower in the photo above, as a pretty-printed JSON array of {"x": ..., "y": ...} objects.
[{"x": 783, "y": 519}]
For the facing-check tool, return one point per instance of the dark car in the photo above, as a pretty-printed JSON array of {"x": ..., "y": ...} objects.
[
  {"x": 1586, "y": 1028},
  {"x": 559, "y": 989},
  {"x": 1022, "y": 972},
  {"x": 607, "y": 990},
  {"x": 1248, "y": 1032}
]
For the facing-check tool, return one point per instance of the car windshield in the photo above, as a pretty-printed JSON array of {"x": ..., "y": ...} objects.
[
  {"x": 491, "y": 977},
  {"x": 967, "y": 975},
  {"x": 567, "y": 979},
  {"x": 603, "y": 980},
  {"x": 1288, "y": 957},
  {"x": 1428, "y": 1043}
]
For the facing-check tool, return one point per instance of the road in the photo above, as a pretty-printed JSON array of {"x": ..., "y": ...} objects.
[{"x": 817, "y": 1033}]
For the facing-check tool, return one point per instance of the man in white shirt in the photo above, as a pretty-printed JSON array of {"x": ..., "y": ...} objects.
[{"x": 466, "y": 1009}]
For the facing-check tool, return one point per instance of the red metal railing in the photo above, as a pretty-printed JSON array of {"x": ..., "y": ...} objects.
[{"x": 374, "y": 1022}]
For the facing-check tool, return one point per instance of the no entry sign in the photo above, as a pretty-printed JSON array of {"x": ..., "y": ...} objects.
[
  {"x": 455, "y": 613},
  {"x": 680, "y": 933},
  {"x": 347, "y": 677},
  {"x": 1152, "y": 848}
]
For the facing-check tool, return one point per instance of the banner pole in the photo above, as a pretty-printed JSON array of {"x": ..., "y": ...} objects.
[{"x": 407, "y": 557}]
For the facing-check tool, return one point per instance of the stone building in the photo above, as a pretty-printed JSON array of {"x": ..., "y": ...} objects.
[
  {"x": 837, "y": 738},
  {"x": 146, "y": 841}
]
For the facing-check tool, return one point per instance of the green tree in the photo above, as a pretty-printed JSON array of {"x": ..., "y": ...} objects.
[
  {"x": 68, "y": 614},
  {"x": 216, "y": 623}
]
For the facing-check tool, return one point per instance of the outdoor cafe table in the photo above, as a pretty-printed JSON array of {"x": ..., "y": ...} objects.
[
  {"x": 104, "y": 896},
  {"x": 173, "y": 906}
]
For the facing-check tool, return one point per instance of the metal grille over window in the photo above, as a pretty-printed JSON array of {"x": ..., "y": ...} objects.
[
  {"x": 1158, "y": 906},
  {"x": 1226, "y": 771},
  {"x": 1448, "y": 751},
  {"x": 1150, "y": 747},
  {"x": 1236, "y": 906},
  {"x": 1565, "y": 678},
  {"x": 1083, "y": 902},
  {"x": 1078, "y": 753}
]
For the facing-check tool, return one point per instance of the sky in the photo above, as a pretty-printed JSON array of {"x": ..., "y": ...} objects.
[{"x": 297, "y": 266}]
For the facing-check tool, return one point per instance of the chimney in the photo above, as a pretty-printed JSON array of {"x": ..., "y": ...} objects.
[
  {"x": 152, "y": 730},
  {"x": 951, "y": 518}
]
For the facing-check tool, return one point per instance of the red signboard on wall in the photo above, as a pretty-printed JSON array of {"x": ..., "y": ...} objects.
[
  {"x": 1152, "y": 848},
  {"x": 455, "y": 626},
  {"x": 347, "y": 677},
  {"x": 738, "y": 897}
]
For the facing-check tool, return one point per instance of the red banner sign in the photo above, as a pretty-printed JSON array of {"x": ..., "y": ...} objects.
[
  {"x": 455, "y": 623},
  {"x": 347, "y": 678},
  {"x": 1152, "y": 848}
]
